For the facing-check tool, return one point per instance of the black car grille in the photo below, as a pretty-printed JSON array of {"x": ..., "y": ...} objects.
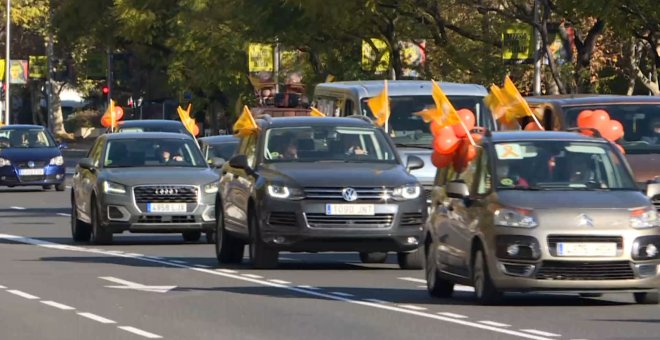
[
  {"x": 32, "y": 178},
  {"x": 37, "y": 164},
  {"x": 569, "y": 270},
  {"x": 412, "y": 219},
  {"x": 166, "y": 219},
  {"x": 283, "y": 219},
  {"x": 165, "y": 194},
  {"x": 327, "y": 221},
  {"x": 554, "y": 239},
  {"x": 335, "y": 193}
]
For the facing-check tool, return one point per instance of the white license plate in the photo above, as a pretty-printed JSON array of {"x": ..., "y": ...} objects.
[
  {"x": 350, "y": 209},
  {"x": 586, "y": 249},
  {"x": 30, "y": 172},
  {"x": 166, "y": 207}
]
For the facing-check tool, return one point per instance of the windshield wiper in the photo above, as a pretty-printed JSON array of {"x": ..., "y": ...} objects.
[{"x": 420, "y": 146}]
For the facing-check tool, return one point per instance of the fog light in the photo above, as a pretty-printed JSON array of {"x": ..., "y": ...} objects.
[
  {"x": 279, "y": 240},
  {"x": 412, "y": 240},
  {"x": 651, "y": 250},
  {"x": 512, "y": 250},
  {"x": 647, "y": 270}
]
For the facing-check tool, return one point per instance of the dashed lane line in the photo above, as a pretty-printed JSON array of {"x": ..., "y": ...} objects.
[
  {"x": 96, "y": 318},
  {"x": 64, "y": 214},
  {"x": 412, "y": 279},
  {"x": 23, "y": 294},
  {"x": 280, "y": 282},
  {"x": 413, "y": 307},
  {"x": 57, "y": 305},
  {"x": 140, "y": 332},
  {"x": 308, "y": 287},
  {"x": 541, "y": 333},
  {"x": 376, "y": 301},
  {"x": 253, "y": 276},
  {"x": 458, "y": 288},
  {"x": 17, "y": 208},
  {"x": 228, "y": 271},
  {"x": 453, "y": 315},
  {"x": 318, "y": 294},
  {"x": 3, "y": 287},
  {"x": 493, "y": 323}
]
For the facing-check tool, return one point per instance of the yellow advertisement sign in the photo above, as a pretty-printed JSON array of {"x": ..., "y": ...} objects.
[
  {"x": 38, "y": 67},
  {"x": 260, "y": 58},
  {"x": 518, "y": 44},
  {"x": 378, "y": 59}
]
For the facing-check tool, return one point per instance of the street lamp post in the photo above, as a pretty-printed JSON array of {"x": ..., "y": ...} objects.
[{"x": 7, "y": 63}]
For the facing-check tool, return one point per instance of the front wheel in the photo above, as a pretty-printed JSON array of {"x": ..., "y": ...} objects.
[
  {"x": 227, "y": 248},
  {"x": 412, "y": 260},
  {"x": 99, "y": 234},
  {"x": 436, "y": 285},
  {"x": 647, "y": 298},
  {"x": 210, "y": 237},
  {"x": 484, "y": 289},
  {"x": 262, "y": 256},
  {"x": 60, "y": 187},
  {"x": 80, "y": 231}
]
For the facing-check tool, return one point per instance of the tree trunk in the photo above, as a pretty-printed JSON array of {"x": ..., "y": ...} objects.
[{"x": 57, "y": 118}]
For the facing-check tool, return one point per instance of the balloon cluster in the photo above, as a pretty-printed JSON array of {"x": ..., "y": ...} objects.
[
  {"x": 610, "y": 129},
  {"x": 108, "y": 117},
  {"x": 451, "y": 144}
]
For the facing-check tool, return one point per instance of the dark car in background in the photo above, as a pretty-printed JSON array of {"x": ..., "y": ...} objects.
[
  {"x": 150, "y": 182},
  {"x": 29, "y": 156},
  {"x": 151, "y": 125},
  {"x": 218, "y": 149},
  {"x": 313, "y": 184}
]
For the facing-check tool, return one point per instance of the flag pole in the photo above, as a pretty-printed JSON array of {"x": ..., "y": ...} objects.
[{"x": 387, "y": 97}]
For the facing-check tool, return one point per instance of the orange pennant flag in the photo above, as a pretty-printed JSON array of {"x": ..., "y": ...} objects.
[
  {"x": 444, "y": 113},
  {"x": 316, "y": 113},
  {"x": 245, "y": 124},
  {"x": 380, "y": 106}
]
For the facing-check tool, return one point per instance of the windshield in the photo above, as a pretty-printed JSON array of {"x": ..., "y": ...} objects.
[
  {"x": 641, "y": 124},
  {"x": 327, "y": 143},
  {"x": 408, "y": 128},
  {"x": 560, "y": 165},
  {"x": 25, "y": 138},
  {"x": 152, "y": 129},
  {"x": 223, "y": 150},
  {"x": 152, "y": 152}
]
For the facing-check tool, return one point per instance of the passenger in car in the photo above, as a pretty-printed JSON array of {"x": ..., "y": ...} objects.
[
  {"x": 352, "y": 146},
  {"x": 290, "y": 148},
  {"x": 508, "y": 176}
]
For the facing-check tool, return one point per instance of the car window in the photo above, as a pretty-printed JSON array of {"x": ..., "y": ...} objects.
[
  {"x": 560, "y": 165},
  {"x": 26, "y": 138},
  {"x": 484, "y": 176},
  {"x": 152, "y": 152},
  {"x": 95, "y": 152},
  {"x": 223, "y": 150},
  {"x": 327, "y": 143}
]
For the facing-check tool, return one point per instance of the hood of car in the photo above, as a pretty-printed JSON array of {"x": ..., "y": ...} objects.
[
  {"x": 326, "y": 174},
  {"x": 160, "y": 175},
  {"x": 29, "y": 154},
  {"x": 572, "y": 199}
]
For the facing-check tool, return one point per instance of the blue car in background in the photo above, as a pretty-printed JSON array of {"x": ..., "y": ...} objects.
[{"x": 29, "y": 156}]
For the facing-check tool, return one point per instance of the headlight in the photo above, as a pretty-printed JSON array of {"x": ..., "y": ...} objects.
[
  {"x": 644, "y": 218},
  {"x": 59, "y": 160},
  {"x": 516, "y": 218},
  {"x": 211, "y": 188},
  {"x": 406, "y": 192},
  {"x": 4, "y": 162},
  {"x": 284, "y": 192},
  {"x": 113, "y": 188}
]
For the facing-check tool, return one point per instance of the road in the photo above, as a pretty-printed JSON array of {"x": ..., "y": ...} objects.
[{"x": 157, "y": 286}]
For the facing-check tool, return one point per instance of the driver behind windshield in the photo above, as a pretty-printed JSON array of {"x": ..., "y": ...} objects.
[
  {"x": 352, "y": 145},
  {"x": 654, "y": 138}
]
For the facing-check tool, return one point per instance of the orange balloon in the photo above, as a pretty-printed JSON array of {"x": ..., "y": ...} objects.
[
  {"x": 583, "y": 118},
  {"x": 467, "y": 117},
  {"x": 445, "y": 142},
  {"x": 119, "y": 112},
  {"x": 106, "y": 121},
  {"x": 613, "y": 131},
  {"x": 532, "y": 126},
  {"x": 440, "y": 160}
]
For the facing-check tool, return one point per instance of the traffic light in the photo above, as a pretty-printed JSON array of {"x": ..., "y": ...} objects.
[{"x": 105, "y": 89}]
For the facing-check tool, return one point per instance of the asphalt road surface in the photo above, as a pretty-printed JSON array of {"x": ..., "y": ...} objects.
[{"x": 157, "y": 286}]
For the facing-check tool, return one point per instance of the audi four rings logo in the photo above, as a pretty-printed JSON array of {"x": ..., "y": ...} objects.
[
  {"x": 166, "y": 191},
  {"x": 349, "y": 194}
]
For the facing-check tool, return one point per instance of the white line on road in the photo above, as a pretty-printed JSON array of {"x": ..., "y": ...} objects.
[
  {"x": 413, "y": 307},
  {"x": 23, "y": 294},
  {"x": 57, "y": 305},
  {"x": 453, "y": 315},
  {"x": 64, "y": 214},
  {"x": 96, "y": 318},
  {"x": 253, "y": 276},
  {"x": 458, "y": 288},
  {"x": 280, "y": 282},
  {"x": 412, "y": 279},
  {"x": 355, "y": 301},
  {"x": 3, "y": 287},
  {"x": 308, "y": 287},
  {"x": 376, "y": 301},
  {"x": 138, "y": 331},
  {"x": 541, "y": 333},
  {"x": 17, "y": 208},
  {"x": 342, "y": 294},
  {"x": 493, "y": 323},
  {"x": 229, "y": 271}
]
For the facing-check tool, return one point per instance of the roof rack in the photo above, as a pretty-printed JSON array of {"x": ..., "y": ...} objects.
[
  {"x": 362, "y": 117},
  {"x": 595, "y": 132}
]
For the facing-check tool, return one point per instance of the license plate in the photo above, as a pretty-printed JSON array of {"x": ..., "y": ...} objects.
[
  {"x": 166, "y": 207},
  {"x": 350, "y": 209},
  {"x": 586, "y": 249},
  {"x": 30, "y": 172}
]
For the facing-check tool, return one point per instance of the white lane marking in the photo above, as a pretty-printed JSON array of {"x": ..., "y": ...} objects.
[
  {"x": 118, "y": 252},
  {"x": 376, "y": 301},
  {"x": 23, "y": 294},
  {"x": 18, "y": 208},
  {"x": 427, "y": 315},
  {"x": 134, "y": 285},
  {"x": 202, "y": 266},
  {"x": 138, "y": 331},
  {"x": 453, "y": 315},
  {"x": 230, "y": 271},
  {"x": 253, "y": 276},
  {"x": 412, "y": 279},
  {"x": 541, "y": 333},
  {"x": 178, "y": 261},
  {"x": 64, "y": 214},
  {"x": 280, "y": 282},
  {"x": 57, "y": 305},
  {"x": 308, "y": 287},
  {"x": 413, "y": 307},
  {"x": 134, "y": 254},
  {"x": 493, "y": 323},
  {"x": 461, "y": 288},
  {"x": 342, "y": 294},
  {"x": 96, "y": 318},
  {"x": 3, "y": 287}
]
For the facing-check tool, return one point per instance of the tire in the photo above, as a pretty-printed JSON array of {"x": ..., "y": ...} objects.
[
  {"x": 261, "y": 255},
  {"x": 228, "y": 249},
  {"x": 647, "y": 298},
  {"x": 99, "y": 234},
  {"x": 373, "y": 257},
  {"x": 435, "y": 284},
  {"x": 412, "y": 260},
  {"x": 192, "y": 236},
  {"x": 60, "y": 187},
  {"x": 484, "y": 289},
  {"x": 210, "y": 237},
  {"x": 47, "y": 187},
  {"x": 80, "y": 231}
]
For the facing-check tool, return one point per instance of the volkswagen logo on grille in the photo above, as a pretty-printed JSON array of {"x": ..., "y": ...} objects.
[
  {"x": 31, "y": 164},
  {"x": 585, "y": 221},
  {"x": 349, "y": 194},
  {"x": 166, "y": 191}
]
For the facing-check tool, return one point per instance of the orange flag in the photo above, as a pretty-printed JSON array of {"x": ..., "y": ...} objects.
[
  {"x": 316, "y": 113},
  {"x": 245, "y": 124},
  {"x": 380, "y": 107},
  {"x": 444, "y": 113}
]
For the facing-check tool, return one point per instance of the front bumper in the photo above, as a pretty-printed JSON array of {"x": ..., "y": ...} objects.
[
  {"x": 52, "y": 174},
  {"x": 119, "y": 213},
  {"x": 304, "y": 226}
]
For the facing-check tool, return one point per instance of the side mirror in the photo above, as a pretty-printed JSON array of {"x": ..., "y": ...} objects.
[
  {"x": 239, "y": 162},
  {"x": 458, "y": 190},
  {"x": 63, "y": 146},
  {"x": 217, "y": 162},
  {"x": 653, "y": 189},
  {"x": 414, "y": 163},
  {"x": 87, "y": 163}
]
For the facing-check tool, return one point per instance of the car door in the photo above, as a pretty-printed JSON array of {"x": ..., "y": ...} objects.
[
  {"x": 84, "y": 181},
  {"x": 238, "y": 186}
]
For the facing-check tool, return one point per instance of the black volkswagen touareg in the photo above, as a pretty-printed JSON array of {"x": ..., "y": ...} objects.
[{"x": 314, "y": 184}]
